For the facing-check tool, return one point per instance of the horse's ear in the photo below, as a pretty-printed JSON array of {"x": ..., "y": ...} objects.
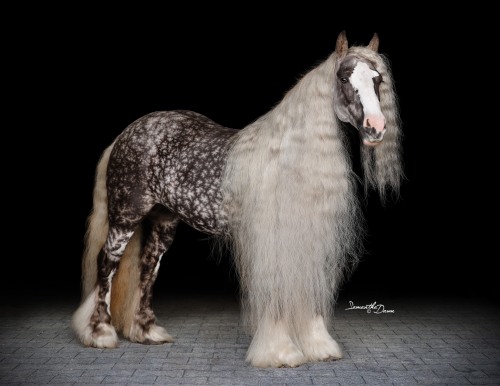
[
  {"x": 342, "y": 45},
  {"x": 373, "y": 45}
]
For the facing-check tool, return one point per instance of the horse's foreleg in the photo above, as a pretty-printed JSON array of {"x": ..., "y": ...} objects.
[
  {"x": 144, "y": 328},
  {"x": 92, "y": 320},
  {"x": 317, "y": 343}
]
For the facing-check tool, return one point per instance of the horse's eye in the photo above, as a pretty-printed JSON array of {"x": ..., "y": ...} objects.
[{"x": 343, "y": 80}]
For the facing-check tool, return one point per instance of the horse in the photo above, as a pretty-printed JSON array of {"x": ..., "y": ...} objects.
[{"x": 281, "y": 193}]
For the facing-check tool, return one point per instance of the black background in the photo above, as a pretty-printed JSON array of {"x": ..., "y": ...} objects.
[{"x": 75, "y": 82}]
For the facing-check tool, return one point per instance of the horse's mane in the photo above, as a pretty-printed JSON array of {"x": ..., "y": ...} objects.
[{"x": 290, "y": 191}]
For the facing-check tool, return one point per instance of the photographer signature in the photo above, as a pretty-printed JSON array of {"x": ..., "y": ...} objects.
[{"x": 373, "y": 307}]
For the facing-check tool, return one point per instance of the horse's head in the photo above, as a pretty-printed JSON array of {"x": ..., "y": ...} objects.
[{"x": 356, "y": 91}]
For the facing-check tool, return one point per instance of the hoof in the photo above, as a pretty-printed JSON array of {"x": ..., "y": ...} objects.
[
  {"x": 318, "y": 345},
  {"x": 104, "y": 336},
  {"x": 272, "y": 346},
  {"x": 284, "y": 355},
  {"x": 153, "y": 335},
  {"x": 326, "y": 350}
]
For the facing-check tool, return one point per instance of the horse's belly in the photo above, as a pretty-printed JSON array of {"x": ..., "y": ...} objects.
[{"x": 199, "y": 206}]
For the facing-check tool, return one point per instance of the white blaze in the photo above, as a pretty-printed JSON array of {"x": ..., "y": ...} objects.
[{"x": 362, "y": 81}]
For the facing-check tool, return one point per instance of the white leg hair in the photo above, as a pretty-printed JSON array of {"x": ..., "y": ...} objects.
[
  {"x": 316, "y": 342},
  {"x": 105, "y": 336},
  {"x": 273, "y": 346}
]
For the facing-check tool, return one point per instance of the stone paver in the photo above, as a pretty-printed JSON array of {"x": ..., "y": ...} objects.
[{"x": 425, "y": 341}]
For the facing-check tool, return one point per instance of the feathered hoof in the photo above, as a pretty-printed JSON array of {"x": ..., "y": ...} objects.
[
  {"x": 153, "y": 335},
  {"x": 318, "y": 345},
  {"x": 322, "y": 350},
  {"x": 275, "y": 354},
  {"x": 104, "y": 336},
  {"x": 286, "y": 356}
]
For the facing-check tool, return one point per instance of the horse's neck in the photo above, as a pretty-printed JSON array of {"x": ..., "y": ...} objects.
[
  {"x": 307, "y": 109},
  {"x": 294, "y": 152},
  {"x": 301, "y": 133}
]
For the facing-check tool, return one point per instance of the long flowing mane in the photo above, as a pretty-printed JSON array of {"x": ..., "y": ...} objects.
[{"x": 306, "y": 208}]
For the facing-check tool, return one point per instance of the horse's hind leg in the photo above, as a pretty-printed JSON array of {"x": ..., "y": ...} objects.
[
  {"x": 162, "y": 225},
  {"x": 92, "y": 320}
]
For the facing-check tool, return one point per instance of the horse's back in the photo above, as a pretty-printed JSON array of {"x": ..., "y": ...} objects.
[{"x": 173, "y": 158}]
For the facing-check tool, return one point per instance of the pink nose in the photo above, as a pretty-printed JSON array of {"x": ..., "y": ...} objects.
[{"x": 378, "y": 123}]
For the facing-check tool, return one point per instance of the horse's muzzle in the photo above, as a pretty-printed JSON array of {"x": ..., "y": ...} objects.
[{"x": 370, "y": 136}]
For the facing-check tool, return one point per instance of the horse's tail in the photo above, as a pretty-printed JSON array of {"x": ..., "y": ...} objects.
[
  {"x": 97, "y": 227},
  {"x": 124, "y": 290}
]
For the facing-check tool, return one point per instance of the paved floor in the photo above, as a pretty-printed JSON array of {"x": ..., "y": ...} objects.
[{"x": 425, "y": 341}]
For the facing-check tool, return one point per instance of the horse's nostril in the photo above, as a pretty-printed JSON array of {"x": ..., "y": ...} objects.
[
  {"x": 370, "y": 131},
  {"x": 371, "y": 135}
]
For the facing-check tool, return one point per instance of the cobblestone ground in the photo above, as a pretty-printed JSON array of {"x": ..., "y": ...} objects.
[{"x": 425, "y": 341}]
